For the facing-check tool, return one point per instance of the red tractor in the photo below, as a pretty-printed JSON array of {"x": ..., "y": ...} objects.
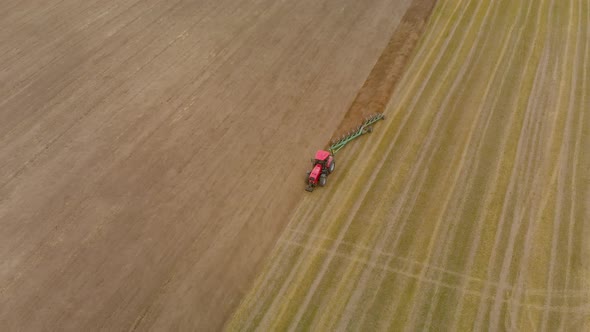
[{"x": 323, "y": 165}]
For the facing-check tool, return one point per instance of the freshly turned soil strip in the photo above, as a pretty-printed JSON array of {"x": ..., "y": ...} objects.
[{"x": 389, "y": 68}]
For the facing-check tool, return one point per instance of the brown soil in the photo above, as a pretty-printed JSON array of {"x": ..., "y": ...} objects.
[
  {"x": 389, "y": 68},
  {"x": 152, "y": 151}
]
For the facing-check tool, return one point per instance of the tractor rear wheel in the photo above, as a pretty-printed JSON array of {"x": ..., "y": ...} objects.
[
  {"x": 307, "y": 177},
  {"x": 323, "y": 180},
  {"x": 332, "y": 166}
]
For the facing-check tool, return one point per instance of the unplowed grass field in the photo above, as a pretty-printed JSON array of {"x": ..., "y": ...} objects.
[{"x": 468, "y": 208}]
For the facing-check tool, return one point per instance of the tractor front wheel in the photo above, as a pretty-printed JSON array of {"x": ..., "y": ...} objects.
[
  {"x": 307, "y": 177},
  {"x": 323, "y": 180}
]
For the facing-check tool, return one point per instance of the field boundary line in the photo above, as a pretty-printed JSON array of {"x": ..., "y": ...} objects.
[{"x": 582, "y": 309}]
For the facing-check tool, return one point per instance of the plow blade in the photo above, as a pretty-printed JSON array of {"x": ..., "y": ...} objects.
[{"x": 364, "y": 128}]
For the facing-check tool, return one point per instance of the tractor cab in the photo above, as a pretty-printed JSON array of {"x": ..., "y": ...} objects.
[
  {"x": 321, "y": 157},
  {"x": 323, "y": 164}
]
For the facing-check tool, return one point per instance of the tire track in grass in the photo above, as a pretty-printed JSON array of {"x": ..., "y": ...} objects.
[
  {"x": 384, "y": 235},
  {"x": 297, "y": 235},
  {"x": 482, "y": 308},
  {"x": 347, "y": 280},
  {"x": 560, "y": 146},
  {"x": 543, "y": 188},
  {"x": 532, "y": 204},
  {"x": 578, "y": 135},
  {"x": 377, "y": 83},
  {"x": 585, "y": 178},
  {"x": 524, "y": 152},
  {"x": 324, "y": 268},
  {"x": 538, "y": 202},
  {"x": 478, "y": 150},
  {"x": 414, "y": 17},
  {"x": 533, "y": 198},
  {"x": 472, "y": 173},
  {"x": 514, "y": 245},
  {"x": 585, "y": 165},
  {"x": 581, "y": 309},
  {"x": 542, "y": 206},
  {"x": 479, "y": 232},
  {"x": 561, "y": 166},
  {"x": 466, "y": 158},
  {"x": 306, "y": 274},
  {"x": 460, "y": 199},
  {"x": 450, "y": 243},
  {"x": 509, "y": 208},
  {"x": 527, "y": 163},
  {"x": 416, "y": 97},
  {"x": 395, "y": 304}
]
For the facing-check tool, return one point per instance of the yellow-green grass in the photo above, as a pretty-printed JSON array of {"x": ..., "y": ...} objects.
[{"x": 468, "y": 207}]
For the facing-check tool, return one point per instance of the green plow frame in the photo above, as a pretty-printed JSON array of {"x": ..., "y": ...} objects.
[{"x": 364, "y": 128}]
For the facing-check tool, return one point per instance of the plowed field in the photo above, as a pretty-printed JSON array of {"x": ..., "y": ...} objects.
[
  {"x": 151, "y": 152},
  {"x": 468, "y": 208}
]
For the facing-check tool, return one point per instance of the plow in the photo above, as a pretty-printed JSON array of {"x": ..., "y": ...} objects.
[{"x": 323, "y": 163}]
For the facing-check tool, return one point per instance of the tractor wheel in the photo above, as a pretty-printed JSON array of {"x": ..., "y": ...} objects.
[
  {"x": 323, "y": 180},
  {"x": 332, "y": 166},
  {"x": 307, "y": 177}
]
